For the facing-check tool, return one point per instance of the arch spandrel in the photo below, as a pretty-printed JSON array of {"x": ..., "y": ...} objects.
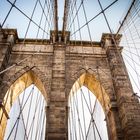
[
  {"x": 89, "y": 80},
  {"x": 15, "y": 89}
]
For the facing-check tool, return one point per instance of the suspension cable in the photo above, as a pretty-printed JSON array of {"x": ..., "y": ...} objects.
[
  {"x": 126, "y": 16},
  {"x": 95, "y": 17},
  {"x": 87, "y": 24},
  {"x": 26, "y": 16},
  {"x": 29, "y": 110},
  {"x": 18, "y": 116},
  {"x": 8, "y": 13}
]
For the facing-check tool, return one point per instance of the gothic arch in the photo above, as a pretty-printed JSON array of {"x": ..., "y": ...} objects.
[
  {"x": 89, "y": 80},
  {"x": 22, "y": 80},
  {"x": 110, "y": 108}
]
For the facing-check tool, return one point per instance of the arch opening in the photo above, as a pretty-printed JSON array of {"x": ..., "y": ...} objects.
[
  {"x": 20, "y": 99},
  {"x": 86, "y": 119},
  {"x": 27, "y": 116}
]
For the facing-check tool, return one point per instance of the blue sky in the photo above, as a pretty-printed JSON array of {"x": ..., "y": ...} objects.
[{"x": 97, "y": 26}]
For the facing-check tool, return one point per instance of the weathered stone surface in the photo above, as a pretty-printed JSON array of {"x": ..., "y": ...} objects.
[{"x": 58, "y": 66}]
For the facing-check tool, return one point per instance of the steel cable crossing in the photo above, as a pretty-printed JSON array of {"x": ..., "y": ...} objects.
[
  {"x": 49, "y": 18},
  {"x": 130, "y": 29},
  {"x": 40, "y": 117},
  {"x": 77, "y": 130},
  {"x": 133, "y": 20},
  {"x": 37, "y": 114},
  {"x": 80, "y": 126}
]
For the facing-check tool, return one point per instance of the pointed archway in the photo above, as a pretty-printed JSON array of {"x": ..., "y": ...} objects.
[
  {"x": 93, "y": 84},
  {"x": 16, "y": 87}
]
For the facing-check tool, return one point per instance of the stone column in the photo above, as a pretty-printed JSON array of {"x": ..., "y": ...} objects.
[
  {"x": 127, "y": 105},
  {"x": 113, "y": 123},
  {"x": 57, "y": 118},
  {"x": 7, "y": 40}
]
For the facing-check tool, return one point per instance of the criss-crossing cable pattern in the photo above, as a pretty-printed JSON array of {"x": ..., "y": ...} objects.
[
  {"x": 30, "y": 118},
  {"x": 47, "y": 15},
  {"x": 82, "y": 101},
  {"x": 81, "y": 10},
  {"x": 85, "y": 126},
  {"x": 130, "y": 30},
  {"x": 31, "y": 125}
]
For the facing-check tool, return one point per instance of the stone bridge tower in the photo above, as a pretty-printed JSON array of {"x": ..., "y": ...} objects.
[{"x": 54, "y": 65}]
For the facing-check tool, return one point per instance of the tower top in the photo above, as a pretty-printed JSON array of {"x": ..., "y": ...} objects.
[{"x": 59, "y": 37}]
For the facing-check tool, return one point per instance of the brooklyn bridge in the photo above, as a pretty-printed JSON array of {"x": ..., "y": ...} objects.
[{"x": 69, "y": 70}]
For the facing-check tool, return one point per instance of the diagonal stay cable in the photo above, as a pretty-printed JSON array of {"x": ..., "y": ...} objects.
[
  {"x": 132, "y": 77},
  {"x": 75, "y": 101},
  {"x": 80, "y": 85},
  {"x": 132, "y": 68},
  {"x": 95, "y": 16},
  {"x": 32, "y": 122},
  {"x": 43, "y": 10},
  {"x": 131, "y": 56},
  {"x": 29, "y": 110},
  {"x": 17, "y": 124},
  {"x": 19, "y": 115},
  {"x": 23, "y": 60},
  {"x": 39, "y": 118},
  {"x": 132, "y": 60},
  {"x": 41, "y": 124},
  {"x": 125, "y": 45},
  {"x": 20, "y": 110},
  {"x": 130, "y": 52},
  {"x": 27, "y": 16},
  {"x": 97, "y": 130},
  {"x": 48, "y": 16},
  {"x": 76, "y": 14},
  {"x": 37, "y": 102},
  {"x": 8, "y": 13},
  {"x": 91, "y": 118},
  {"x": 113, "y": 38},
  {"x": 72, "y": 113},
  {"x": 31, "y": 18},
  {"x": 22, "y": 117},
  {"x": 41, "y": 17},
  {"x": 83, "y": 113},
  {"x": 88, "y": 28},
  {"x": 72, "y": 5},
  {"x": 80, "y": 34},
  {"x": 132, "y": 38},
  {"x": 121, "y": 25},
  {"x": 136, "y": 84}
]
